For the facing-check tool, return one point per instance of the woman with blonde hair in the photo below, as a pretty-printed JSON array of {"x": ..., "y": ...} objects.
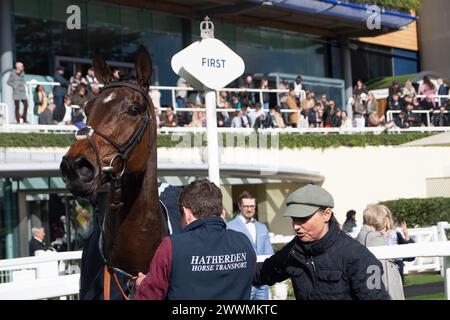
[{"x": 375, "y": 225}]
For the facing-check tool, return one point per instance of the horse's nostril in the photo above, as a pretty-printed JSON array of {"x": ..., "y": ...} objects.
[
  {"x": 65, "y": 167},
  {"x": 84, "y": 169}
]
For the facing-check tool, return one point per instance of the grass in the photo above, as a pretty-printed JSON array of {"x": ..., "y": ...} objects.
[
  {"x": 437, "y": 296},
  {"x": 413, "y": 280}
]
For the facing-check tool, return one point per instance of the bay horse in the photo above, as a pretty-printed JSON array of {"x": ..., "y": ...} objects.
[{"x": 118, "y": 146}]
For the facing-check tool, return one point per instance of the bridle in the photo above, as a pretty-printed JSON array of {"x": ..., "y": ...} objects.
[
  {"x": 123, "y": 151},
  {"x": 122, "y": 154}
]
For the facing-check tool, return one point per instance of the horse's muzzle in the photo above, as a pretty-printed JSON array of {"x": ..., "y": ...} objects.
[{"x": 78, "y": 174}]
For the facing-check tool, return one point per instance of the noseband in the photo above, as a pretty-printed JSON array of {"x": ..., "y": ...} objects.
[{"x": 123, "y": 151}]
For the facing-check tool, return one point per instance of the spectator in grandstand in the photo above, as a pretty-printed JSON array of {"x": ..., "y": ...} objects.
[
  {"x": 90, "y": 78},
  {"x": 37, "y": 241},
  {"x": 309, "y": 102},
  {"x": 17, "y": 81},
  {"x": 247, "y": 98},
  {"x": 257, "y": 232},
  {"x": 46, "y": 116},
  {"x": 60, "y": 91},
  {"x": 256, "y": 113},
  {"x": 324, "y": 101},
  {"x": 360, "y": 113},
  {"x": 336, "y": 120},
  {"x": 441, "y": 119},
  {"x": 284, "y": 85},
  {"x": 394, "y": 89},
  {"x": 67, "y": 115},
  {"x": 81, "y": 96},
  {"x": 78, "y": 117},
  {"x": 373, "y": 120},
  {"x": 322, "y": 261},
  {"x": 40, "y": 99},
  {"x": 411, "y": 117},
  {"x": 350, "y": 222},
  {"x": 375, "y": 225},
  {"x": 198, "y": 118},
  {"x": 276, "y": 120},
  {"x": 95, "y": 89},
  {"x": 372, "y": 103},
  {"x": 224, "y": 117},
  {"x": 427, "y": 104},
  {"x": 206, "y": 260},
  {"x": 116, "y": 74},
  {"x": 236, "y": 122},
  {"x": 241, "y": 119},
  {"x": 181, "y": 95},
  {"x": 405, "y": 101},
  {"x": 359, "y": 88},
  {"x": 298, "y": 87},
  {"x": 75, "y": 81},
  {"x": 235, "y": 102},
  {"x": 442, "y": 91},
  {"x": 346, "y": 122},
  {"x": 393, "y": 237},
  {"x": 314, "y": 116},
  {"x": 394, "y": 105},
  {"x": 409, "y": 89},
  {"x": 222, "y": 98},
  {"x": 169, "y": 118},
  {"x": 293, "y": 106},
  {"x": 265, "y": 95},
  {"x": 427, "y": 88},
  {"x": 329, "y": 113},
  {"x": 400, "y": 121}
]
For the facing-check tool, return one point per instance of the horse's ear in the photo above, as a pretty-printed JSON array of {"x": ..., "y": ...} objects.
[
  {"x": 102, "y": 71},
  {"x": 143, "y": 66}
]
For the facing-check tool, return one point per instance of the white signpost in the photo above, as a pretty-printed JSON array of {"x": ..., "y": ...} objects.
[{"x": 209, "y": 65}]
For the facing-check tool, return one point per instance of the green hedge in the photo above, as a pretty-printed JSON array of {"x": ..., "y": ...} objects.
[
  {"x": 289, "y": 141},
  {"x": 421, "y": 212}
]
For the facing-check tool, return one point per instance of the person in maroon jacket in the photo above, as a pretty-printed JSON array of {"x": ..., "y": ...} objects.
[{"x": 205, "y": 260}]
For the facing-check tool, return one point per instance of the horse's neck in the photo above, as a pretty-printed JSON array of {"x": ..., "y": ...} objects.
[{"x": 133, "y": 232}]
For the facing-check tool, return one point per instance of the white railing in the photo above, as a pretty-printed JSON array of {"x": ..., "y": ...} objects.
[
  {"x": 4, "y": 114},
  {"x": 390, "y": 114},
  {"x": 419, "y": 250},
  {"x": 48, "y": 275},
  {"x": 428, "y": 236},
  {"x": 186, "y": 130}
]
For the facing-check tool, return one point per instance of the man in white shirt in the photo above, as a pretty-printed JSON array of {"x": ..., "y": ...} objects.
[{"x": 257, "y": 233}]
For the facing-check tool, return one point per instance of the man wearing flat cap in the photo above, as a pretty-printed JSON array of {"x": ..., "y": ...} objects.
[{"x": 323, "y": 262}]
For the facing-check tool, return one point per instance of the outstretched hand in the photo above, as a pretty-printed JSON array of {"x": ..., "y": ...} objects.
[
  {"x": 139, "y": 279},
  {"x": 405, "y": 230}
]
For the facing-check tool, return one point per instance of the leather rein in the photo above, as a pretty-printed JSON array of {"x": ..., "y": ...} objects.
[{"x": 122, "y": 154}]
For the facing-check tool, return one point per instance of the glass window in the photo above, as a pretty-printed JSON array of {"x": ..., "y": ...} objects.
[
  {"x": 166, "y": 23},
  {"x": 40, "y": 9},
  {"x": 103, "y": 15}
]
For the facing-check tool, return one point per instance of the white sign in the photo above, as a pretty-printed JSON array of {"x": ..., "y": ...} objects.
[{"x": 209, "y": 63}]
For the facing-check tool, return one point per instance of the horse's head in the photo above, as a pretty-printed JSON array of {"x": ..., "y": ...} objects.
[{"x": 120, "y": 130}]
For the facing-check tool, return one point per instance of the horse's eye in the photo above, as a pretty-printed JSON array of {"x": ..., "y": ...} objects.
[{"x": 133, "y": 111}]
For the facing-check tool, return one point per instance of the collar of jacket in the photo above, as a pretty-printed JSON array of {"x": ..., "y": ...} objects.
[
  {"x": 320, "y": 246},
  {"x": 206, "y": 221}
]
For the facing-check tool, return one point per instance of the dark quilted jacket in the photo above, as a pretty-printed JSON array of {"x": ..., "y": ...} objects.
[{"x": 336, "y": 267}]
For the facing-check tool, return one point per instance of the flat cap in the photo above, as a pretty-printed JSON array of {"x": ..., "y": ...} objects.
[{"x": 305, "y": 201}]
